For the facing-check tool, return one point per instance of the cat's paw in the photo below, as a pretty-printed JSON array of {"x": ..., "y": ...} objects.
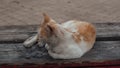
[
  {"x": 30, "y": 41},
  {"x": 47, "y": 47},
  {"x": 25, "y": 44},
  {"x": 41, "y": 44}
]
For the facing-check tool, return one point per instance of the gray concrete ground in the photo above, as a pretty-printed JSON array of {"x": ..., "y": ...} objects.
[{"x": 29, "y": 12}]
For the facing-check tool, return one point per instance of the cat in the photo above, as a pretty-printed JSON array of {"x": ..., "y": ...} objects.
[{"x": 68, "y": 40}]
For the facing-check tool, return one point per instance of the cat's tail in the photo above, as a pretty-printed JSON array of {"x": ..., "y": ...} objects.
[{"x": 30, "y": 41}]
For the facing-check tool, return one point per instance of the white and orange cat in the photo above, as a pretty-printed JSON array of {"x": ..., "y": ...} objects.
[{"x": 68, "y": 40}]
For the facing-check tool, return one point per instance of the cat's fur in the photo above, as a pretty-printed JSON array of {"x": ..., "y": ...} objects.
[{"x": 68, "y": 40}]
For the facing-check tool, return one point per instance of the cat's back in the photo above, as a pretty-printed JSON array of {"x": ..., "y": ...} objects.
[
  {"x": 70, "y": 25},
  {"x": 81, "y": 31},
  {"x": 75, "y": 26}
]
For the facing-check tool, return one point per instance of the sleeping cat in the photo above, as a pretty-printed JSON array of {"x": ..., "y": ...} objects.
[{"x": 68, "y": 40}]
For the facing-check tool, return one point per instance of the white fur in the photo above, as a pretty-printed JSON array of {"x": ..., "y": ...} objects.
[
  {"x": 70, "y": 25},
  {"x": 69, "y": 48}
]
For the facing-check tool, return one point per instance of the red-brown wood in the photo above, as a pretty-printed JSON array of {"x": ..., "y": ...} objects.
[{"x": 106, "y": 64}]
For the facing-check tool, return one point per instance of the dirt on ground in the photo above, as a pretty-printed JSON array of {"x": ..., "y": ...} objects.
[{"x": 29, "y": 12}]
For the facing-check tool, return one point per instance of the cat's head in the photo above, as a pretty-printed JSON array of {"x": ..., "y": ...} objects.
[{"x": 50, "y": 31}]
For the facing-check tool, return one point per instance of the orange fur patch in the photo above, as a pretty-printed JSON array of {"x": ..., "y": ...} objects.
[
  {"x": 85, "y": 30},
  {"x": 46, "y": 18},
  {"x": 43, "y": 32},
  {"x": 76, "y": 37},
  {"x": 43, "y": 29}
]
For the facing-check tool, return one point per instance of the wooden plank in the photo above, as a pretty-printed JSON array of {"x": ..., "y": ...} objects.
[
  {"x": 111, "y": 28},
  {"x": 17, "y": 54},
  {"x": 16, "y": 34},
  {"x": 105, "y": 31},
  {"x": 106, "y": 48}
]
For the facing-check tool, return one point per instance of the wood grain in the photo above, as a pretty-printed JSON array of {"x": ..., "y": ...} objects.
[
  {"x": 18, "y": 54},
  {"x": 105, "y": 32}
]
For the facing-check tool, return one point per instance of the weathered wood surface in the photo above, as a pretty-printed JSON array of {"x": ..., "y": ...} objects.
[
  {"x": 105, "y": 31},
  {"x": 17, "y": 54},
  {"x": 12, "y": 50}
]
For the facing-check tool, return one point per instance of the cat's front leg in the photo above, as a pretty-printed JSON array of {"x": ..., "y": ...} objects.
[{"x": 30, "y": 41}]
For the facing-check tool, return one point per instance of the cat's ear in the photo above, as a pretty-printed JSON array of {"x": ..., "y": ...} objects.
[
  {"x": 51, "y": 28},
  {"x": 46, "y": 18}
]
